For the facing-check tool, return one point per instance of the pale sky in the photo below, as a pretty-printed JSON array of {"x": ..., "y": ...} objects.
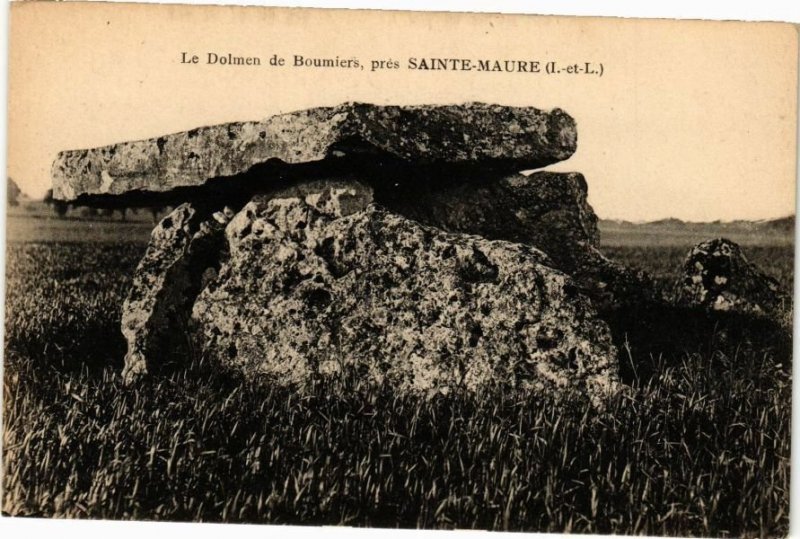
[{"x": 695, "y": 120}]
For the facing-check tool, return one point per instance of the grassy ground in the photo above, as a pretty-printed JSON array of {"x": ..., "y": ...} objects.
[
  {"x": 698, "y": 447},
  {"x": 46, "y": 229}
]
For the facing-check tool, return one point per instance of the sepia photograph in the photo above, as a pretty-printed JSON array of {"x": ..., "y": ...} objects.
[{"x": 395, "y": 269}]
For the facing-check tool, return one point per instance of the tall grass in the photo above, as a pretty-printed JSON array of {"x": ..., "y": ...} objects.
[{"x": 699, "y": 446}]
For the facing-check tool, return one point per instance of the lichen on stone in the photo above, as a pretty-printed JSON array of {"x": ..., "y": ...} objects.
[
  {"x": 389, "y": 301},
  {"x": 716, "y": 275}
]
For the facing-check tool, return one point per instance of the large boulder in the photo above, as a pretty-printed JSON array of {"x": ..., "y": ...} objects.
[
  {"x": 184, "y": 252},
  {"x": 314, "y": 291},
  {"x": 473, "y": 134},
  {"x": 548, "y": 210},
  {"x": 717, "y": 276},
  {"x": 545, "y": 209}
]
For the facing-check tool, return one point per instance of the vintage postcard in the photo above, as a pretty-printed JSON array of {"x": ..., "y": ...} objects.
[{"x": 399, "y": 270}]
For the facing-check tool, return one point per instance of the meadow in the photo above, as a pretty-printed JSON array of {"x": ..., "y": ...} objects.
[{"x": 698, "y": 446}]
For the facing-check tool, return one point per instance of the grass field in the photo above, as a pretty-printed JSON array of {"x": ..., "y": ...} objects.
[{"x": 700, "y": 445}]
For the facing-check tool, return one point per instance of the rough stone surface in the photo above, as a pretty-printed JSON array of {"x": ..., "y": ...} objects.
[
  {"x": 310, "y": 291},
  {"x": 184, "y": 252},
  {"x": 544, "y": 210},
  {"x": 717, "y": 276},
  {"x": 611, "y": 285},
  {"x": 547, "y": 210},
  {"x": 183, "y": 247},
  {"x": 474, "y": 133}
]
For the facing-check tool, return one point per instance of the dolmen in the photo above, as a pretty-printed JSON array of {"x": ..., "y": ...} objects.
[{"x": 400, "y": 246}]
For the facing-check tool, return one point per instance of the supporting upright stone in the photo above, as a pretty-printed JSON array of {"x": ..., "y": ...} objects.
[
  {"x": 183, "y": 255},
  {"x": 184, "y": 247},
  {"x": 306, "y": 295}
]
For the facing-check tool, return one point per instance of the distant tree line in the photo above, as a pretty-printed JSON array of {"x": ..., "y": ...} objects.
[
  {"x": 13, "y": 193},
  {"x": 61, "y": 208}
]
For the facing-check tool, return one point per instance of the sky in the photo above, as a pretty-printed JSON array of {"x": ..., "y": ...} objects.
[{"x": 694, "y": 120}]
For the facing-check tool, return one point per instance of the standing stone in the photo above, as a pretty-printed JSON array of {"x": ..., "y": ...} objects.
[
  {"x": 184, "y": 249},
  {"x": 307, "y": 294},
  {"x": 717, "y": 276}
]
